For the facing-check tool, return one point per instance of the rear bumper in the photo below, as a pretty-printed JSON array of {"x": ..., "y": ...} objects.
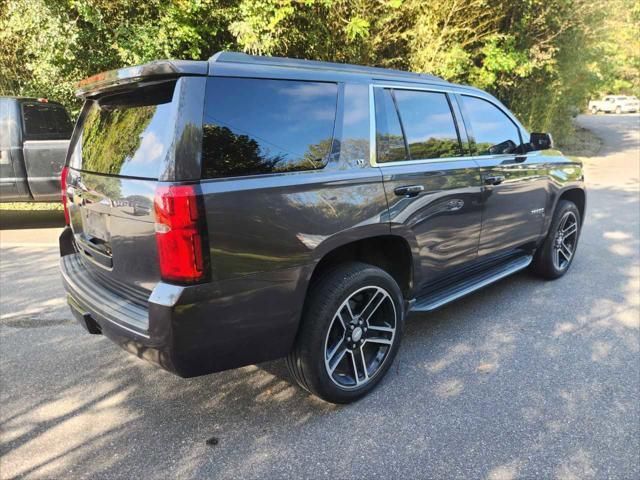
[{"x": 192, "y": 330}]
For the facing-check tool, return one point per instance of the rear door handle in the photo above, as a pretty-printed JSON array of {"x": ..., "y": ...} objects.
[
  {"x": 493, "y": 179},
  {"x": 409, "y": 190}
]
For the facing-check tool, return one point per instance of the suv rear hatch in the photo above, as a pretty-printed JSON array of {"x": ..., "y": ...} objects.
[{"x": 137, "y": 137}]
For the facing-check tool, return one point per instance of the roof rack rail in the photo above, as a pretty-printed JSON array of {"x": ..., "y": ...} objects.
[{"x": 238, "y": 57}]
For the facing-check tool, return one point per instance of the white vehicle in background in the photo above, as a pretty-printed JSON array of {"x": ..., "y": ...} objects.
[{"x": 615, "y": 104}]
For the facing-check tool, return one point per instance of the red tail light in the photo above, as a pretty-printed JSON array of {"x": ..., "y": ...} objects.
[
  {"x": 179, "y": 234},
  {"x": 63, "y": 185}
]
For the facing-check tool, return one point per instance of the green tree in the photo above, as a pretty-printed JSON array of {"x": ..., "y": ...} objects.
[{"x": 543, "y": 58}]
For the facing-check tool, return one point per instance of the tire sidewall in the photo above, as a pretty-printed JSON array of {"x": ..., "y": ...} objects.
[{"x": 322, "y": 317}]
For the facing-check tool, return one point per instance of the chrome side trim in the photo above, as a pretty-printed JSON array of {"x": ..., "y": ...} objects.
[{"x": 372, "y": 127}]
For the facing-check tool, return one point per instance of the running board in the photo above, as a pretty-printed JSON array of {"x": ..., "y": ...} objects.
[{"x": 447, "y": 294}]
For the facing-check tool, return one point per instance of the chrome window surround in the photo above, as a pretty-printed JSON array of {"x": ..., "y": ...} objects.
[{"x": 449, "y": 91}]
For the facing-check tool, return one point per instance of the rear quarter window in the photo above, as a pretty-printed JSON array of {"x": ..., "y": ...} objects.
[
  {"x": 45, "y": 121},
  {"x": 260, "y": 126}
]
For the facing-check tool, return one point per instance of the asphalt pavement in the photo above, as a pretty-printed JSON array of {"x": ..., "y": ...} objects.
[{"x": 525, "y": 379}]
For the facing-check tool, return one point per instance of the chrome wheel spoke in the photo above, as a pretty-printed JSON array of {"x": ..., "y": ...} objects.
[
  {"x": 332, "y": 354},
  {"x": 570, "y": 230},
  {"x": 337, "y": 358},
  {"x": 565, "y": 251},
  {"x": 373, "y": 305},
  {"x": 361, "y": 375},
  {"x": 381, "y": 341},
  {"x": 351, "y": 316},
  {"x": 378, "y": 328},
  {"x": 356, "y": 375},
  {"x": 364, "y": 364}
]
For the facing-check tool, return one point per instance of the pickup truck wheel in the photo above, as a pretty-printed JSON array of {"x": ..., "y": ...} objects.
[
  {"x": 350, "y": 333},
  {"x": 554, "y": 257}
]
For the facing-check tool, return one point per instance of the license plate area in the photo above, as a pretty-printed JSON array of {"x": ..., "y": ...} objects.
[
  {"x": 94, "y": 240},
  {"x": 95, "y": 226}
]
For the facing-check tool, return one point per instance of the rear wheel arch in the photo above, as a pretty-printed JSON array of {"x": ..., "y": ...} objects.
[{"x": 391, "y": 253}]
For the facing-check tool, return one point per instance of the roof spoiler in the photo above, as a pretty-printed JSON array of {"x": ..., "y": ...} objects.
[{"x": 120, "y": 78}]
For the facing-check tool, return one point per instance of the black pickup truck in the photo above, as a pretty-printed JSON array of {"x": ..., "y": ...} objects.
[
  {"x": 234, "y": 211},
  {"x": 34, "y": 138}
]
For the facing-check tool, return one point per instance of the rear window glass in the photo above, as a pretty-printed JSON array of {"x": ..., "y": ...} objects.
[
  {"x": 45, "y": 121},
  {"x": 254, "y": 126},
  {"x": 128, "y": 134}
]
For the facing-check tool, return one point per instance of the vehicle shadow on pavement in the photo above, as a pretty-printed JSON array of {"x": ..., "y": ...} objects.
[
  {"x": 525, "y": 378},
  {"x": 521, "y": 368}
]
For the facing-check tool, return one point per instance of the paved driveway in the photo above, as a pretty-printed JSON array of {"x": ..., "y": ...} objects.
[{"x": 524, "y": 379}]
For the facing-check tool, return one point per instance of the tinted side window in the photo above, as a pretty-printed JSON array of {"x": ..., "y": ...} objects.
[
  {"x": 428, "y": 124},
  {"x": 256, "y": 126},
  {"x": 45, "y": 121},
  {"x": 390, "y": 145},
  {"x": 493, "y": 131}
]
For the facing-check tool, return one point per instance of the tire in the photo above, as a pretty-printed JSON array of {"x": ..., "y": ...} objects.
[
  {"x": 322, "y": 361},
  {"x": 554, "y": 257}
]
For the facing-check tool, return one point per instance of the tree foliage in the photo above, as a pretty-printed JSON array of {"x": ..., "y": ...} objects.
[{"x": 543, "y": 58}]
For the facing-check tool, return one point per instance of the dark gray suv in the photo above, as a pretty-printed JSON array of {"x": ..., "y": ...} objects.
[{"x": 229, "y": 212}]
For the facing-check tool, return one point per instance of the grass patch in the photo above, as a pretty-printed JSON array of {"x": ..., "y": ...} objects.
[
  {"x": 583, "y": 143},
  {"x": 31, "y": 206}
]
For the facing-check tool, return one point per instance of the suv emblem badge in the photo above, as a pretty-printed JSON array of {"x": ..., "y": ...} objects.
[{"x": 356, "y": 335}]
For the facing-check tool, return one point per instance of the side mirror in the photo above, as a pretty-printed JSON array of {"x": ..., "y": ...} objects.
[{"x": 541, "y": 141}]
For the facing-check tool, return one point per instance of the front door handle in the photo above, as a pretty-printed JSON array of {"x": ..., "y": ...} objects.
[
  {"x": 409, "y": 190},
  {"x": 493, "y": 180}
]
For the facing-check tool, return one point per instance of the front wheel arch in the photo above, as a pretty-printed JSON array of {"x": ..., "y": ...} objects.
[{"x": 575, "y": 195}]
